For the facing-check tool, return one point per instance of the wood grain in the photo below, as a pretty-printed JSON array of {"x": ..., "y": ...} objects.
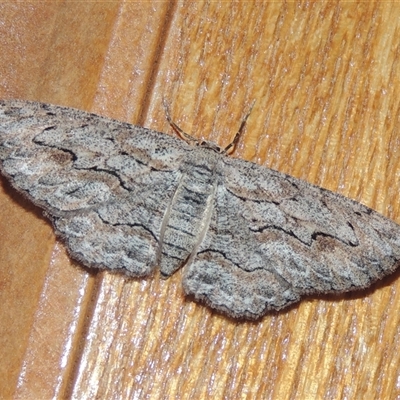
[{"x": 325, "y": 77}]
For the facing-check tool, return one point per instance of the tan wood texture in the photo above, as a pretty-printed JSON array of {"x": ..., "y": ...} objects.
[{"x": 326, "y": 80}]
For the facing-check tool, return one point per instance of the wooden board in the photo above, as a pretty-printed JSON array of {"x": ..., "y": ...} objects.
[{"x": 325, "y": 77}]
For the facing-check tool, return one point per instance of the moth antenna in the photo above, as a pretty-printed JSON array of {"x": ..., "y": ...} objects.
[{"x": 235, "y": 140}]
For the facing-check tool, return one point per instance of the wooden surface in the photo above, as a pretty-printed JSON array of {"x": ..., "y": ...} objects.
[{"x": 326, "y": 80}]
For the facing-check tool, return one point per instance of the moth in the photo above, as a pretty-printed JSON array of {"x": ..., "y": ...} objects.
[{"x": 127, "y": 198}]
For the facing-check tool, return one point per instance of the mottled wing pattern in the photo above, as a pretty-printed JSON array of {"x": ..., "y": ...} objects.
[
  {"x": 127, "y": 198},
  {"x": 104, "y": 184},
  {"x": 274, "y": 238}
]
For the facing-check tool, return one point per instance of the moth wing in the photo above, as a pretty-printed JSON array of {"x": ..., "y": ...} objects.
[
  {"x": 104, "y": 184},
  {"x": 274, "y": 238}
]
